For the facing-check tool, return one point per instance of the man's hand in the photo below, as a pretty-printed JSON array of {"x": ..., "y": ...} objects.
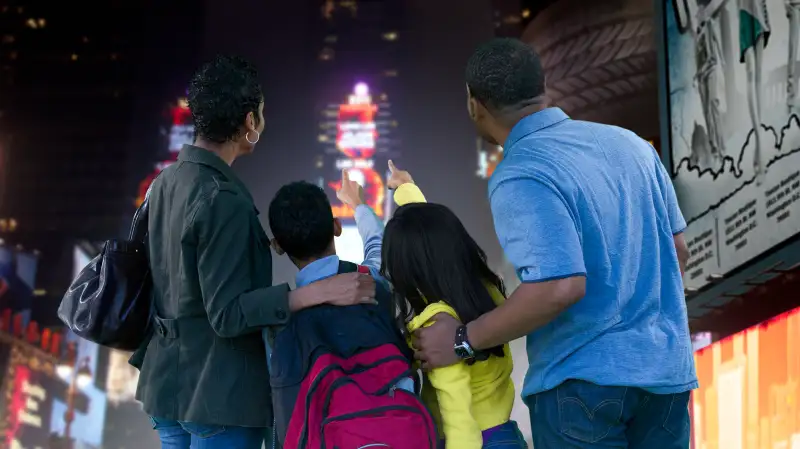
[
  {"x": 397, "y": 177},
  {"x": 434, "y": 345},
  {"x": 350, "y": 193}
]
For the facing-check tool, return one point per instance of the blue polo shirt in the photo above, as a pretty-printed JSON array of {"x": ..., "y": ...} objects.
[{"x": 574, "y": 198}]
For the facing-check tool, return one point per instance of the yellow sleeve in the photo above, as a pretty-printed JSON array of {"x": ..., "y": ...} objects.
[
  {"x": 453, "y": 388},
  {"x": 408, "y": 193},
  {"x": 454, "y": 395}
]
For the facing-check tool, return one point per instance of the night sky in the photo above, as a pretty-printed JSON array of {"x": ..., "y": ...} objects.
[{"x": 438, "y": 137}]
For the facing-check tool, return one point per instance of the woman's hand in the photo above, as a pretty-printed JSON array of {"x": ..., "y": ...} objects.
[
  {"x": 341, "y": 290},
  {"x": 350, "y": 193},
  {"x": 397, "y": 177}
]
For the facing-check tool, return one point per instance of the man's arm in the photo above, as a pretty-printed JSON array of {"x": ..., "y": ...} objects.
[
  {"x": 220, "y": 231},
  {"x": 677, "y": 223},
  {"x": 540, "y": 238}
]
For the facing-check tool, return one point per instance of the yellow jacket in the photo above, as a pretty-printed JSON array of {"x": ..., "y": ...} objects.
[{"x": 464, "y": 399}]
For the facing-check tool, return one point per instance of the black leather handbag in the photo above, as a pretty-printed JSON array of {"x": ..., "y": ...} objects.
[{"x": 110, "y": 302}]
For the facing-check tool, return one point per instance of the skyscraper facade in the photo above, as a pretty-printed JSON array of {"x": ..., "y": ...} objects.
[{"x": 356, "y": 79}]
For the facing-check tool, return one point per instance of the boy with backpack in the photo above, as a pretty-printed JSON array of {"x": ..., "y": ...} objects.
[{"x": 341, "y": 377}]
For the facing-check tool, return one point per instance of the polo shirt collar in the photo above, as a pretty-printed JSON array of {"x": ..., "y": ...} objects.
[
  {"x": 532, "y": 123},
  {"x": 197, "y": 155}
]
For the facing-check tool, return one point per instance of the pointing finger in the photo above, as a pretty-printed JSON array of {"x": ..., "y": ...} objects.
[
  {"x": 392, "y": 168},
  {"x": 345, "y": 175}
]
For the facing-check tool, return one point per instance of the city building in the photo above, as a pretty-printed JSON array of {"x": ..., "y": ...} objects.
[
  {"x": 355, "y": 80},
  {"x": 66, "y": 102}
]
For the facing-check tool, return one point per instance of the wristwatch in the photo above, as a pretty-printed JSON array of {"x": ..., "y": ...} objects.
[{"x": 462, "y": 347}]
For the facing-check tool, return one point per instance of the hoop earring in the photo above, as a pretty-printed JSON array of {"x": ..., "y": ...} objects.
[{"x": 247, "y": 137}]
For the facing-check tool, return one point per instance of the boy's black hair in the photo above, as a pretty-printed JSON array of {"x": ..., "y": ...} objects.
[
  {"x": 429, "y": 256},
  {"x": 221, "y": 94},
  {"x": 505, "y": 73},
  {"x": 301, "y": 220}
]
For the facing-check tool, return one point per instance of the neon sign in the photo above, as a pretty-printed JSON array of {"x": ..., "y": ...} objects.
[
  {"x": 356, "y": 140},
  {"x": 181, "y": 132}
]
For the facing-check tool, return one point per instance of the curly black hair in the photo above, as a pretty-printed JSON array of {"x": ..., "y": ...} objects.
[
  {"x": 301, "y": 220},
  {"x": 221, "y": 94},
  {"x": 503, "y": 73}
]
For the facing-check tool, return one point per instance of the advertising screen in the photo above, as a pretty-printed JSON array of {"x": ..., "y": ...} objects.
[
  {"x": 38, "y": 392},
  {"x": 181, "y": 132},
  {"x": 356, "y": 138},
  {"x": 750, "y": 388},
  {"x": 732, "y": 87}
]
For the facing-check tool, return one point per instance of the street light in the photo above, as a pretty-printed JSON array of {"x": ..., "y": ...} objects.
[{"x": 77, "y": 381}]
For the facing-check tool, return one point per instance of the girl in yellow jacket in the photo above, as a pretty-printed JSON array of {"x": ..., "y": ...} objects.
[{"x": 436, "y": 267}]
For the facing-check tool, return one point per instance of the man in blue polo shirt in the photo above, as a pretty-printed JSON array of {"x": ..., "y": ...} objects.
[{"x": 588, "y": 216}]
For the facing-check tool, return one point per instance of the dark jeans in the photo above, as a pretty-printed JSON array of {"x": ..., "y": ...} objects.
[
  {"x": 504, "y": 436},
  {"x": 189, "y": 435},
  {"x": 582, "y": 415}
]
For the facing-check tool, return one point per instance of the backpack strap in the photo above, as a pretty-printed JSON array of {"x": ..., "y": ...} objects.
[{"x": 350, "y": 267}]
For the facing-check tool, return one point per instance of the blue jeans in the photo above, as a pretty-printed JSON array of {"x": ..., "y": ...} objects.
[
  {"x": 189, "y": 435},
  {"x": 504, "y": 436},
  {"x": 582, "y": 415}
]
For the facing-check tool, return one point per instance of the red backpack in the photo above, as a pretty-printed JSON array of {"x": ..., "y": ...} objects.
[
  {"x": 354, "y": 403},
  {"x": 334, "y": 374}
]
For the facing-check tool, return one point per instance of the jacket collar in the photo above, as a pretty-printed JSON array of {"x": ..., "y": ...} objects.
[
  {"x": 197, "y": 155},
  {"x": 533, "y": 123}
]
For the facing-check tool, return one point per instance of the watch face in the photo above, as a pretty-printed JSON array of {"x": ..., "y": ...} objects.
[{"x": 462, "y": 352}]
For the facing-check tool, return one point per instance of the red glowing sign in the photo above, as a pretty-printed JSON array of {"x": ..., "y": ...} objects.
[
  {"x": 356, "y": 139},
  {"x": 17, "y": 404}
]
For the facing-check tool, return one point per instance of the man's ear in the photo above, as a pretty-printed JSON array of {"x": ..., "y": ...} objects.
[
  {"x": 473, "y": 108},
  {"x": 337, "y": 227},
  {"x": 276, "y": 247}
]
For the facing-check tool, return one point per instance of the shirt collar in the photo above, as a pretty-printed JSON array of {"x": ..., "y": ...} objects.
[
  {"x": 532, "y": 123},
  {"x": 197, "y": 155},
  {"x": 317, "y": 270}
]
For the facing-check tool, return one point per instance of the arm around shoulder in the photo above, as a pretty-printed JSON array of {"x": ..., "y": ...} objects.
[{"x": 220, "y": 230}]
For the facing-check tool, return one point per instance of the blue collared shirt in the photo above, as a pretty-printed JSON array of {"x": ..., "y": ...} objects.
[
  {"x": 370, "y": 228},
  {"x": 574, "y": 198}
]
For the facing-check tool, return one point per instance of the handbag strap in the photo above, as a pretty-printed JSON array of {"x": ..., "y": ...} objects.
[{"x": 140, "y": 217}]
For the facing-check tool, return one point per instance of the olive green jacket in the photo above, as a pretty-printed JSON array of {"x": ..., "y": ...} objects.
[{"x": 212, "y": 293}]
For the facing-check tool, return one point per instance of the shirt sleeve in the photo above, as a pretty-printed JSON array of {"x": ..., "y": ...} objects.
[
  {"x": 676, "y": 221},
  {"x": 221, "y": 230},
  {"x": 453, "y": 387},
  {"x": 370, "y": 228},
  {"x": 408, "y": 193},
  {"x": 536, "y": 230}
]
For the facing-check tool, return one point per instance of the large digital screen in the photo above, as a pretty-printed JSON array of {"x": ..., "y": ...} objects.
[
  {"x": 749, "y": 395},
  {"x": 732, "y": 87},
  {"x": 355, "y": 138}
]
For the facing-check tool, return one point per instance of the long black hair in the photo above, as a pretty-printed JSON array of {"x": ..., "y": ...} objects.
[{"x": 429, "y": 256}]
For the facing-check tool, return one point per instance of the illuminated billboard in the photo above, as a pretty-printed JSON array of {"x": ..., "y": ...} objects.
[
  {"x": 181, "y": 132},
  {"x": 734, "y": 132},
  {"x": 355, "y": 138},
  {"x": 749, "y": 395}
]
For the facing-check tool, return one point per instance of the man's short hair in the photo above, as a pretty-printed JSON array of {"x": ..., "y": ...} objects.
[
  {"x": 505, "y": 73},
  {"x": 301, "y": 220}
]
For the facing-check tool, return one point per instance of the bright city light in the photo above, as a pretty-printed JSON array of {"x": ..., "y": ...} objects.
[
  {"x": 361, "y": 89},
  {"x": 64, "y": 371}
]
